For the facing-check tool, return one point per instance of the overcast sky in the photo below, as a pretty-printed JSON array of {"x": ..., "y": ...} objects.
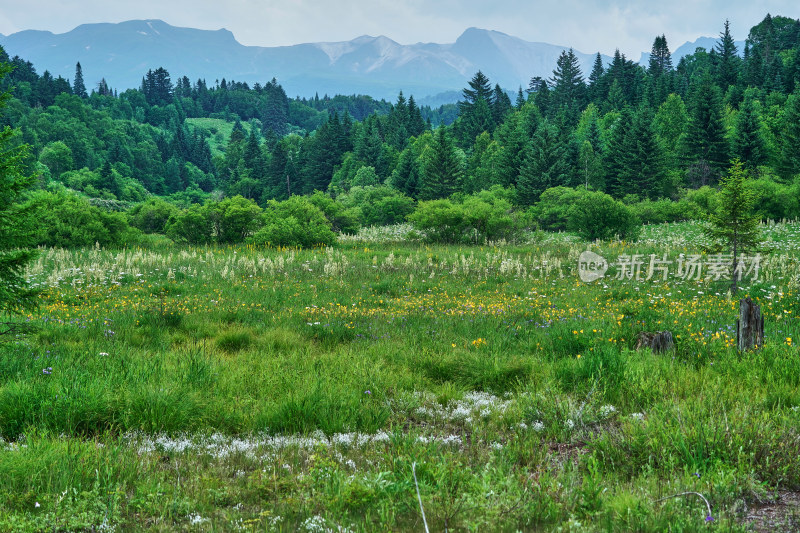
[{"x": 587, "y": 25}]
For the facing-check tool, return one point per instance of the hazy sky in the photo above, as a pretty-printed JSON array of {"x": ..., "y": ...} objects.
[{"x": 586, "y": 25}]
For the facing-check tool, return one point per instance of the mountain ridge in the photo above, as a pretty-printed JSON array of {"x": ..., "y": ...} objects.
[{"x": 375, "y": 65}]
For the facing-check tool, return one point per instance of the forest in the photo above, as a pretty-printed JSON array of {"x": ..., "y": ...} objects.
[{"x": 187, "y": 158}]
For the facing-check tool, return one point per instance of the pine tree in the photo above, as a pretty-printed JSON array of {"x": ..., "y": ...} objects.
[
  {"x": 405, "y": 177},
  {"x": 642, "y": 160},
  {"x": 545, "y": 165},
  {"x": 705, "y": 138},
  {"x": 613, "y": 159},
  {"x": 734, "y": 223},
  {"x": 441, "y": 168},
  {"x": 660, "y": 58},
  {"x": 597, "y": 89},
  {"x": 475, "y": 110},
  {"x": 748, "y": 142},
  {"x": 15, "y": 294},
  {"x": 520, "y": 99},
  {"x": 501, "y": 104},
  {"x": 569, "y": 89},
  {"x": 727, "y": 59},
  {"x": 416, "y": 125},
  {"x": 78, "y": 87},
  {"x": 789, "y": 159}
]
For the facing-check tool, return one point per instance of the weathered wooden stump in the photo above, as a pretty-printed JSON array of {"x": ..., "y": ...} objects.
[
  {"x": 658, "y": 341},
  {"x": 749, "y": 326}
]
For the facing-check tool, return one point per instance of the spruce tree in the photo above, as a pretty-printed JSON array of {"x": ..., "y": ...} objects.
[
  {"x": 614, "y": 154},
  {"x": 727, "y": 59},
  {"x": 642, "y": 168},
  {"x": 15, "y": 294},
  {"x": 705, "y": 138},
  {"x": 475, "y": 110},
  {"x": 545, "y": 165},
  {"x": 78, "y": 87},
  {"x": 441, "y": 168},
  {"x": 569, "y": 89},
  {"x": 735, "y": 224},
  {"x": 597, "y": 89},
  {"x": 748, "y": 142},
  {"x": 789, "y": 158}
]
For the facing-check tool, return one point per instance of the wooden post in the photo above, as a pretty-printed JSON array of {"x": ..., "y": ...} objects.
[{"x": 749, "y": 326}]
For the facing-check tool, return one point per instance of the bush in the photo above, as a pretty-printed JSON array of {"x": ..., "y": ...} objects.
[
  {"x": 234, "y": 219},
  {"x": 597, "y": 215},
  {"x": 152, "y": 216},
  {"x": 441, "y": 220},
  {"x": 342, "y": 218},
  {"x": 481, "y": 217},
  {"x": 775, "y": 200},
  {"x": 67, "y": 220},
  {"x": 552, "y": 210},
  {"x": 294, "y": 222},
  {"x": 191, "y": 225},
  {"x": 658, "y": 211},
  {"x": 379, "y": 205}
]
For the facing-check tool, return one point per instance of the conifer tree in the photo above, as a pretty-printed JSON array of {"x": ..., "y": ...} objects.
[
  {"x": 15, "y": 293},
  {"x": 569, "y": 89},
  {"x": 789, "y": 159},
  {"x": 726, "y": 59},
  {"x": 734, "y": 223},
  {"x": 705, "y": 138},
  {"x": 78, "y": 87},
  {"x": 441, "y": 168},
  {"x": 748, "y": 142},
  {"x": 545, "y": 165},
  {"x": 596, "y": 86}
]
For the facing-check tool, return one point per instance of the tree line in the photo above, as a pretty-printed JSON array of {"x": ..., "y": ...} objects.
[{"x": 653, "y": 137}]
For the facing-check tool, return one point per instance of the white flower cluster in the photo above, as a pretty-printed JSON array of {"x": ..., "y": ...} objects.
[{"x": 471, "y": 408}]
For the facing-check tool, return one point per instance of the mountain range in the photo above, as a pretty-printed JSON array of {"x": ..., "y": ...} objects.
[{"x": 378, "y": 66}]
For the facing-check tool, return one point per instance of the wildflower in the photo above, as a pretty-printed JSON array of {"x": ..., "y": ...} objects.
[
  {"x": 37, "y": 505},
  {"x": 709, "y": 518},
  {"x": 368, "y": 392},
  {"x": 47, "y": 371}
]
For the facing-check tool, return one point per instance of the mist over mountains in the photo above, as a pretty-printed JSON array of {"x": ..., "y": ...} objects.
[{"x": 378, "y": 66}]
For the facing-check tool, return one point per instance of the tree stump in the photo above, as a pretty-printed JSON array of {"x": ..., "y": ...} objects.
[
  {"x": 658, "y": 341},
  {"x": 749, "y": 326}
]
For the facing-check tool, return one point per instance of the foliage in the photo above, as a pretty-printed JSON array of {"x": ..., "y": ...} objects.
[
  {"x": 596, "y": 215},
  {"x": 294, "y": 222},
  {"x": 15, "y": 295},
  {"x": 734, "y": 223},
  {"x": 479, "y": 218},
  {"x": 64, "y": 219}
]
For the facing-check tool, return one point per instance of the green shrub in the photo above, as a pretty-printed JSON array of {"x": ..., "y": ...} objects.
[
  {"x": 478, "y": 218},
  {"x": 294, "y": 222},
  {"x": 192, "y": 225},
  {"x": 379, "y": 205},
  {"x": 597, "y": 215},
  {"x": 552, "y": 210},
  {"x": 234, "y": 219},
  {"x": 343, "y": 219},
  {"x": 67, "y": 220},
  {"x": 658, "y": 211},
  {"x": 151, "y": 216}
]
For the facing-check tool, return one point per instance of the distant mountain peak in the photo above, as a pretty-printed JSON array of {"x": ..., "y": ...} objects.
[{"x": 375, "y": 65}]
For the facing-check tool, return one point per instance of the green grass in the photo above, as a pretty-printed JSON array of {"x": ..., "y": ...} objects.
[{"x": 259, "y": 393}]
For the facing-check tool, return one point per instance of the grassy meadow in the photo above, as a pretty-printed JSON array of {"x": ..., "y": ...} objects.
[{"x": 349, "y": 388}]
